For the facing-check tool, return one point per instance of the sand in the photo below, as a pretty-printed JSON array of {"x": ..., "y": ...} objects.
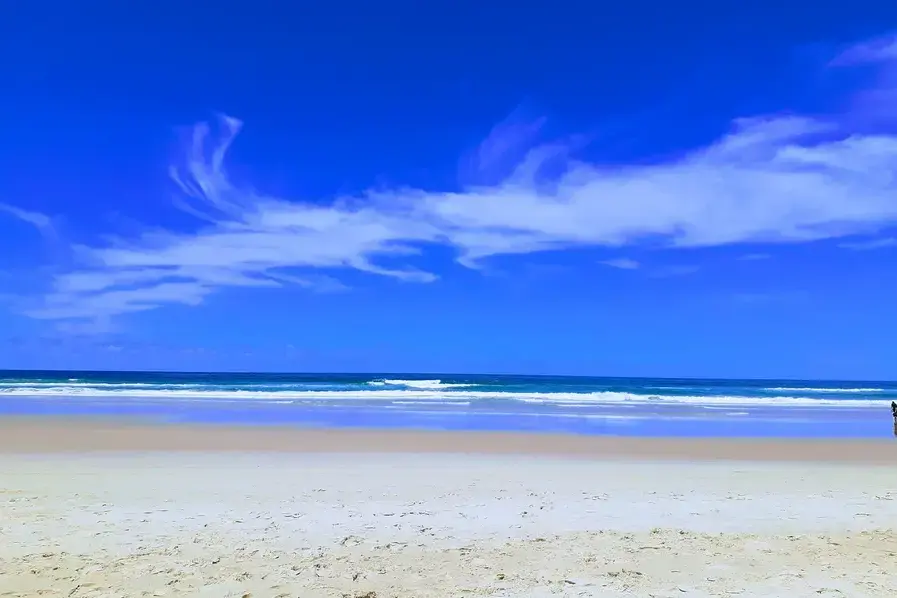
[
  {"x": 388, "y": 522},
  {"x": 46, "y": 435}
]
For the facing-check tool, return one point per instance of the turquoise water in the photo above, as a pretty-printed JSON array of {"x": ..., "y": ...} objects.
[{"x": 582, "y": 405}]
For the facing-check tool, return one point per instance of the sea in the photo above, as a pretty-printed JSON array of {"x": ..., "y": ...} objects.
[{"x": 662, "y": 407}]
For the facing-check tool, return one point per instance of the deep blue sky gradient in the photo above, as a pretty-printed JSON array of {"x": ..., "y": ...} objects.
[{"x": 338, "y": 98}]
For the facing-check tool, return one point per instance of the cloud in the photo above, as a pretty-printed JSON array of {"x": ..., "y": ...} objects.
[
  {"x": 752, "y": 257},
  {"x": 878, "y": 59},
  {"x": 622, "y": 263},
  {"x": 871, "y": 244},
  {"x": 43, "y": 223},
  {"x": 502, "y": 150},
  {"x": 769, "y": 179},
  {"x": 876, "y": 50}
]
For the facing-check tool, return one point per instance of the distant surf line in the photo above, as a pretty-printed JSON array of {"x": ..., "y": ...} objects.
[{"x": 390, "y": 395}]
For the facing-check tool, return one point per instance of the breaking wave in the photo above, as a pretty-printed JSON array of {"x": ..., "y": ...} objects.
[
  {"x": 824, "y": 390},
  {"x": 426, "y": 391},
  {"x": 421, "y": 384}
]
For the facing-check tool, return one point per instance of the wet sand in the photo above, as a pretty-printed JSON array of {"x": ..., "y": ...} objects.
[{"x": 37, "y": 435}]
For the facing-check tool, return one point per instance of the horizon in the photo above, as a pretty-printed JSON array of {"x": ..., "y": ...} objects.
[
  {"x": 703, "y": 194},
  {"x": 446, "y": 375}
]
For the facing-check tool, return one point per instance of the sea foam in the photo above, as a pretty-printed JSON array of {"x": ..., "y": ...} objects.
[{"x": 428, "y": 393}]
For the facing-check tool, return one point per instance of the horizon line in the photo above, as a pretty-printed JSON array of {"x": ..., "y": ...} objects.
[{"x": 434, "y": 375}]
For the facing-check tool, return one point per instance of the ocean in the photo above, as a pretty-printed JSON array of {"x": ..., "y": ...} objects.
[{"x": 562, "y": 404}]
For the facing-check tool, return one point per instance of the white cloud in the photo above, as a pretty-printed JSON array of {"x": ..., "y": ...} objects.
[
  {"x": 770, "y": 179},
  {"x": 874, "y": 105},
  {"x": 753, "y": 257},
  {"x": 622, "y": 263},
  {"x": 43, "y": 223},
  {"x": 871, "y": 244},
  {"x": 879, "y": 49}
]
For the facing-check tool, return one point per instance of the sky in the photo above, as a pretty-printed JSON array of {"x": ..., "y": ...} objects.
[{"x": 625, "y": 189}]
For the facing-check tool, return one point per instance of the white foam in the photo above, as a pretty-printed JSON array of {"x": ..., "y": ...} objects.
[
  {"x": 389, "y": 395},
  {"x": 832, "y": 390},
  {"x": 421, "y": 384},
  {"x": 74, "y": 383},
  {"x": 432, "y": 402}
]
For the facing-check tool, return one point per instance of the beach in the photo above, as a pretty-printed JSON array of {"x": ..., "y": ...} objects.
[{"x": 107, "y": 508}]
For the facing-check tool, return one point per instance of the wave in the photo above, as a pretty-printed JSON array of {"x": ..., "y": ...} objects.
[
  {"x": 422, "y": 384},
  {"x": 76, "y": 384},
  {"x": 827, "y": 390},
  {"x": 128, "y": 386},
  {"x": 432, "y": 402},
  {"x": 571, "y": 399}
]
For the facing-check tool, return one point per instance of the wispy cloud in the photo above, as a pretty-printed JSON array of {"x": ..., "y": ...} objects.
[
  {"x": 622, "y": 263},
  {"x": 42, "y": 222},
  {"x": 879, "y": 49},
  {"x": 753, "y": 257},
  {"x": 769, "y": 179},
  {"x": 502, "y": 150},
  {"x": 871, "y": 244},
  {"x": 874, "y": 105}
]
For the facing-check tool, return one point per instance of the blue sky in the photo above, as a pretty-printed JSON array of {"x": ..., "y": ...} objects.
[{"x": 627, "y": 189}]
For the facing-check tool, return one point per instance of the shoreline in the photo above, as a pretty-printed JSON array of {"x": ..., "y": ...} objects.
[{"x": 37, "y": 435}]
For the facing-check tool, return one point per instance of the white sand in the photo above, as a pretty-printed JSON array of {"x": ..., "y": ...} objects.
[{"x": 306, "y": 525}]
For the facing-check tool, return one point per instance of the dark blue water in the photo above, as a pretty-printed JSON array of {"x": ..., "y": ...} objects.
[{"x": 581, "y": 405}]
